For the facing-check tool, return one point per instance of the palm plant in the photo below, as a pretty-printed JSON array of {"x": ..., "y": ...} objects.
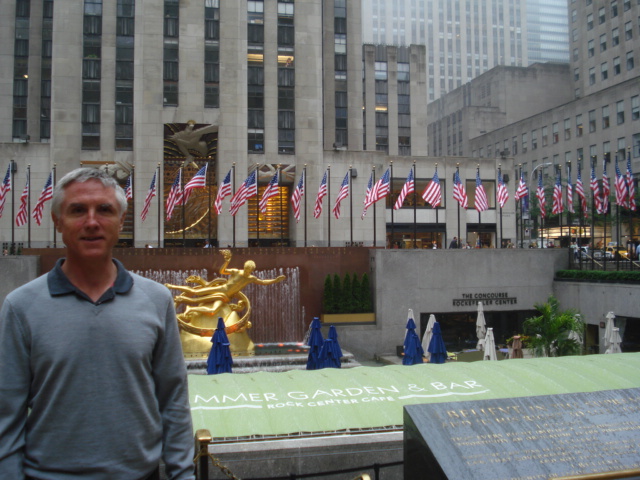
[{"x": 554, "y": 333}]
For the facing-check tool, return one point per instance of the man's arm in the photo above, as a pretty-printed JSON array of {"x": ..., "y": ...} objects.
[
  {"x": 268, "y": 281},
  {"x": 170, "y": 376},
  {"x": 14, "y": 392}
]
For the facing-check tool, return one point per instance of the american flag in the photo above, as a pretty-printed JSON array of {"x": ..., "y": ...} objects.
[
  {"x": 175, "y": 195},
  {"x": 621, "y": 187},
  {"x": 342, "y": 194},
  {"x": 21, "y": 217},
  {"x": 581, "y": 194},
  {"x": 322, "y": 192},
  {"x": 128, "y": 189},
  {"x": 569, "y": 192},
  {"x": 595, "y": 189},
  {"x": 630, "y": 185},
  {"x": 380, "y": 189},
  {"x": 606, "y": 189},
  {"x": 481, "y": 202},
  {"x": 459, "y": 192},
  {"x": 540, "y": 194},
  {"x": 367, "y": 194},
  {"x": 5, "y": 187},
  {"x": 408, "y": 187},
  {"x": 199, "y": 180},
  {"x": 224, "y": 190},
  {"x": 522, "y": 190},
  {"x": 248, "y": 189},
  {"x": 502, "y": 195},
  {"x": 557, "y": 207},
  {"x": 150, "y": 194},
  {"x": 45, "y": 195},
  {"x": 296, "y": 197},
  {"x": 272, "y": 190},
  {"x": 433, "y": 193}
]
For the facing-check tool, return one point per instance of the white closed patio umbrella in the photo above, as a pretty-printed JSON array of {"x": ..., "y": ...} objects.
[
  {"x": 616, "y": 340},
  {"x": 428, "y": 333},
  {"x": 481, "y": 327},
  {"x": 489, "y": 346},
  {"x": 608, "y": 331}
]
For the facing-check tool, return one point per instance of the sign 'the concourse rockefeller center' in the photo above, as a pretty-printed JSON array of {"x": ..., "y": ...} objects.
[{"x": 528, "y": 438}]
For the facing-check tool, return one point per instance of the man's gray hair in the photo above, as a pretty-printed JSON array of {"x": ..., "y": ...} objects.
[{"x": 81, "y": 175}]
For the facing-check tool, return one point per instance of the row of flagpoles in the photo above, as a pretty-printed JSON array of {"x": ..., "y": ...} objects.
[{"x": 376, "y": 190}]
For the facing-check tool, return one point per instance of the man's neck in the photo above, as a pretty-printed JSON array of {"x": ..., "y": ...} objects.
[{"x": 92, "y": 277}]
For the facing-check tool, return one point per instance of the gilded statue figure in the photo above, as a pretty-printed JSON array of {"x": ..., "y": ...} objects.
[
  {"x": 221, "y": 297},
  {"x": 191, "y": 139}
]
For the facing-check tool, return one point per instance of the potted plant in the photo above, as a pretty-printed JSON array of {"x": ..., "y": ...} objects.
[{"x": 347, "y": 300}]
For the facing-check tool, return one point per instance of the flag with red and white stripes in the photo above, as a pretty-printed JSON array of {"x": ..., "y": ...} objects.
[
  {"x": 272, "y": 190},
  {"x": 502, "y": 194},
  {"x": 23, "y": 212},
  {"x": 224, "y": 190},
  {"x": 481, "y": 202},
  {"x": 557, "y": 207},
  {"x": 45, "y": 195},
  {"x": 581, "y": 194},
  {"x": 342, "y": 194},
  {"x": 459, "y": 192},
  {"x": 541, "y": 198},
  {"x": 175, "y": 195},
  {"x": 631, "y": 188},
  {"x": 569, "y": 192},
  {"x": 621, "y": 187},
  {"x": 433, "y": 192},
  {"x": 322, "y": 192},
  {"x": 150, "y": 194},
  {"x": 5, "y": 187},
  {"x": 296, "y": 197},
  {"x": 199, "y": 180},
  {"x": 248, "y": 189},
  {"x": 408, "y": 188}
]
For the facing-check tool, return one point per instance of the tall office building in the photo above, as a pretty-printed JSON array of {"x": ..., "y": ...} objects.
[{"x": 465, "y": 38}]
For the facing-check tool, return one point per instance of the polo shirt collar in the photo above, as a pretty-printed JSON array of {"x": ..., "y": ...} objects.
[{"x": 59, "y": 284}]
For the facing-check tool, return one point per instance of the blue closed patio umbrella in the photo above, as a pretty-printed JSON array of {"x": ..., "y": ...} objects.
[
  {"x": 219, "y": 360},
  {"x": 437, "y": 348},
  {"x": 413, "y": 350},
  {"x": 331, "y": 352},
  {"x": 315, "y": 342}
]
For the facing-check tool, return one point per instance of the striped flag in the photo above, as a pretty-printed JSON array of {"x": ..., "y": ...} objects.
[
  {"x": 631, "y": 188},
  {"x": 540, "y": 195},
  {"x": 272, "y": 190},
  {"x": 150, "y": 194},
  {"x": 322, "y": 192},
  {"x": 595, "y": 189},
  {"x": 380, "y": 189},
  {"x": 502, "y": 194},
  {"x": 5, "y": 187},
  {"x": 199, "y": 180},
  {"x": 621, "y": 187},
  {"x": 248, "y": 189},
  {"x": 175, "y": 195},
  {"x": 367, "y": 194},
  {"x": 224, "y": 190},
  {"x": 522, "y": 190},
  {"x": 581, "y": 193},
  {"x": 569, "y": 192},
  {"x": 342, "y": 194},
  {"x": 23, "y": 212},
  {"x": 408, "y": 187},
  {"x": 45, "y": 195},
  {"x": 459, "y": 192},
  {"x": 296, "y": 197},
  {"x": 128, "y": 189},
  {"x": 606, "y": 189},
  {"x": 557, "y": 207},
  {"x": 481, "y": 202},
  {"x": 433, "y": 192}
]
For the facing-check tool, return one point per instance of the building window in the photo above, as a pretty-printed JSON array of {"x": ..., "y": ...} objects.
[
  {"x": 545, "y": 136},
  {"x": 604, "y": 71},
  {"x": 534, "y": 139},
  {"x": 616, "y": 66},
  {"x": 555, "y": 132},
  {"x": 601, "y": 16},
  {"x": 579, "y": 128},
  {"x": 603, "y": 42},
  {"x": 590, "y": 21},
  {"x": 576, "y": 54},
  {"x": 125, "y": 29},
  {"x": 592, "y": 121},
  {"x": 525, "y": 143},
  {"x": 615, "y": 37},
  {"x": 211, "y": 54},
  {"x": 170, "y": 52},
  {"x": 614, "y": 8},
  {"x": 590, "y": 48},
  {"x": 567, "y": 129},
  {"x": 620, "y": 112},
  {"x": 576, "y": 74},
  {"x": 628, "y": 31},
  {"x": 635, "y": 107},
  {"x": 605, "y": 117},
  {"x": 91, "y": 74},
  {"x": 592, "y": 76},
  {"x": 630, "y": 61}
]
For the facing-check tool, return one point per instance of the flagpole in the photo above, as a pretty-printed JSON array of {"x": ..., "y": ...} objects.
[
  {"x": 283, "y": 211},
  {"x": 437, "y": 221},
  {"x": 159, "y": 195},
  {"x": 373, "y": 182},
  {"x": 209, "y": 200},
  {"x": 499, "y": 205},
  {"x": 351, "y": 204},
  {"x": 478, "y": 241},
  {"x": 12, "y": 169},
  {"x": 53, "y": 185},
  {"x": 133, "y": 208},
  {"x": 561, "y": 209},
  {"x": 328, "y": 209},
  {"x": 257, "y": 207},
  {"x": 184, "y": 212},
  {"x": 458, "y": 170},
  {"x": 29, "y": 206},
  {"x": 304, "y": 190},
  {"x": 519, "y": 203},
  {"x": 593, "y": 219},
  {"x": 415, "y": 227},
  {"x": 233, "y": 183},
  {"x": 393, "y": 225},
  {"x": 605, "y": 202}
]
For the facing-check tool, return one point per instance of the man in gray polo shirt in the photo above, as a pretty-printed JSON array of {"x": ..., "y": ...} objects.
[{"x": 92, "y": 376}]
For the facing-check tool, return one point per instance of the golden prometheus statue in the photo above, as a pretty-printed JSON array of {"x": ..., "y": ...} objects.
[{"x": 205, "y": 302}]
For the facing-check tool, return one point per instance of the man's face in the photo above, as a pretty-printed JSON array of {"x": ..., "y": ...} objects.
[{"x": 90, "y": 220}]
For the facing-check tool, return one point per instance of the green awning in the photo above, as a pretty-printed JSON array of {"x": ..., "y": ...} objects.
[{"x": 353, "y": 399}]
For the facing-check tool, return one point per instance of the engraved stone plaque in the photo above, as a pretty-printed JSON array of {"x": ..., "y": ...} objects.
[{"x": 525, "y": 438}]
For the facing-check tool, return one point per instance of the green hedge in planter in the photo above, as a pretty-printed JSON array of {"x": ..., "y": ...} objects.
[
  {"x": 350, "y": 295},
  {"x": 600, "y": 276}
]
